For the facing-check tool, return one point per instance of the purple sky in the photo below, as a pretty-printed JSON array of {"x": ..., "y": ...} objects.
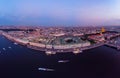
[{"x": 60, "y": 12}]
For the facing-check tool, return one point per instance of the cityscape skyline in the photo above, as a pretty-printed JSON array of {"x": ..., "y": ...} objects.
[
  {"x": 60, "y": 12},
  {"x": 59, "y": 38}
]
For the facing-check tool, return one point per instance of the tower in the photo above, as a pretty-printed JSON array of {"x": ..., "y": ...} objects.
[{"x": 102, "y": 30}]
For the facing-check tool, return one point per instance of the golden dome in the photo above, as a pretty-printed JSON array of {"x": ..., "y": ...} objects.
[{"x": 103, "y": 29}]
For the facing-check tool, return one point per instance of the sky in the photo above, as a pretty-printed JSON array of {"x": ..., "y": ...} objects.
[{"x": 60, "y": 12}]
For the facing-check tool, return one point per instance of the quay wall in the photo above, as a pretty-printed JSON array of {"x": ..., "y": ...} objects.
[{"x": 43, "y": 47}]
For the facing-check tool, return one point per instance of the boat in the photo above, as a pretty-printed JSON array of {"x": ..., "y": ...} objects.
[
  {"x": 50, "y": 52},
  {"x": 16, "y": 43},
  {"x": 4, "y": 49},
  {"x": 63, "y": 61},
  {"x": 76, "y": 51},
  {"x": 45, "y": 69},
  {"x": 9, "y": 47}
]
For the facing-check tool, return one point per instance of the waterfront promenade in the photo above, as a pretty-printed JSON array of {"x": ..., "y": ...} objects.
[
  {"x": 42, "y": 47},
  {"x": 45, "y": 47}
]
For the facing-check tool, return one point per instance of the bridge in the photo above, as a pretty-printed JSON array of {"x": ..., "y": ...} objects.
[
  {"x": 113, "y": 45},
  {"x": 92, "y": 46}
]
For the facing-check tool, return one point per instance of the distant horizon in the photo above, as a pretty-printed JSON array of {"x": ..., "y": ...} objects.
[{"x": 56, "y": 26}]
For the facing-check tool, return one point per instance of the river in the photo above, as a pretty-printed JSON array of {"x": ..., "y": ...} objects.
[{"x": 18, "y": 61}]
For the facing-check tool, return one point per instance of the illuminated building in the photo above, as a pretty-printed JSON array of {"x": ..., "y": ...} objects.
[{"x": 103, "y": 30}]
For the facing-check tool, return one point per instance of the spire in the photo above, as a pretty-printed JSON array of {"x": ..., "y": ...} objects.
[{"x": 103, "y": 30}]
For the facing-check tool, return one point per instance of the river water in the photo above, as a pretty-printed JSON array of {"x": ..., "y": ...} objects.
[{"x": 21, "y": 62}]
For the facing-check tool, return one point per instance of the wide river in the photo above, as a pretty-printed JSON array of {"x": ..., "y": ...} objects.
[{"x": 18, "y": 61}]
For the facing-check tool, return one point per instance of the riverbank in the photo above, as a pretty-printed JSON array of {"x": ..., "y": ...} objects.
[
  {"x": 25, "y": 62},
  {"x": 44, "y": 47},
  {"x": 56, "y": 48}
]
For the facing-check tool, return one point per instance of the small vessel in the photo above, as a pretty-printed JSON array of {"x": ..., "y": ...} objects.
[
  {"x": 45, "y": 69},
  {"x": 4, "y": 49},
  {"x": 16, "y": 43},
  {"x": 50, "y": 52},
  {"x": 63, "y": 61},
  {"x": 76, "y": 51},
  {"x": 9, "y": 47}
]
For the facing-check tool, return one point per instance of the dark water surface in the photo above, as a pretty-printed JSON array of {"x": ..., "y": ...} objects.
[{"x": 21, "y": 62}]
